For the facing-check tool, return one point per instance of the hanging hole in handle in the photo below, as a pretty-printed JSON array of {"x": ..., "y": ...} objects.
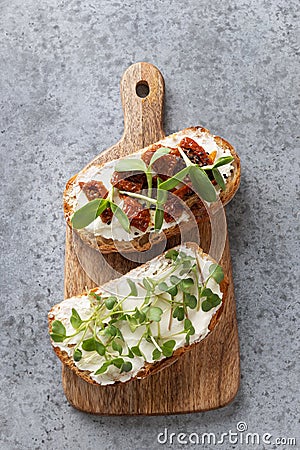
[{"x": 142, "y": 89}]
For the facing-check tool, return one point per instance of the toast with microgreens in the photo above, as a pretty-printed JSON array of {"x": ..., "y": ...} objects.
[
  {"x": 116, "y": 206},
  {"x": 137, "y": 325}
]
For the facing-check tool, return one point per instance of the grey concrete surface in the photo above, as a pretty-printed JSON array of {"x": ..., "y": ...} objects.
[{"x": 231, "y": 66}]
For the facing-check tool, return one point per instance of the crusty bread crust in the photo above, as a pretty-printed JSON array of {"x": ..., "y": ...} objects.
[
  {"x": 149, "y": 368},
  {"x": 142, "y": 243}
]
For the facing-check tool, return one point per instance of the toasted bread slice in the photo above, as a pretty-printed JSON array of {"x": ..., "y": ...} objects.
[
  {"x": 110, "y": 237},
  {"x": 148, "y": 330}
]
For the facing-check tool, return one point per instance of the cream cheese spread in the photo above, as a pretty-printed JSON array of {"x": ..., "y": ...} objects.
[{"x": 159, "y": 267}]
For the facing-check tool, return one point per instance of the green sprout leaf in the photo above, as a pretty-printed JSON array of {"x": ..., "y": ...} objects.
[
  {"x": 186, "y": 284},
  {"x": 130, "y": 165},
  {"x": 158, "y": 219},
  {"x": 130, "y": 354},
  {"x": 147, "y": 284},
  {"x": 174, "y": 280},
  {"x": 219, "y": 178},
  {"x": 139, "y": 315},
  {"x": 133, "y": 288},
  {"x": 133, "y": 323},
  {"x": 206, "y": 306},
  {"x": 103, "y": 368},
  {"x": 216, "y": 272},
  {"x": 154, "y": 313},
  {"x": 136, "y": 351},
  {"x": 88, "y": 213},
  {"x": 110, "y": 302},
  {"x": 190, "y": 300},
  {"x": 202, "y": 184},
  {"x": 111, "y": 331},
  {"x": 77, "y": 355},
  {"x": 206, "y": 292},
  {"x": 58, "y": 328},
  {"x": 215, "y": 300},
  {"x": 75, "y": 319},
  {"x": 57, "y": 337},
  {"x": 156, "y": 354},
  {"x": 223, "y": 160},
  {"x": 178, "y": 313},
  {"x": 118, "y": 362},
  {"x": 120, "y": 216},
  {"x": 172, "y": 290},
  {"x": 172, "y": 254},
  {"x": 158, "y": 154},
  {"x": 117, "y": 347},
  {"x": 162, "y": 196},
  {"x": 100, "y": 348},
  {"x": 163, "y": 286},
  {"x": 211, "y": 302},
  {"x": 188, "y": 327},
  {"x": 126, "y": 366},
  {"x": 89, "y": 345},
  {"x": 120, "y": 335},
  {"x": 172, "y": 182},
  {"x": 167, "y": 348}
]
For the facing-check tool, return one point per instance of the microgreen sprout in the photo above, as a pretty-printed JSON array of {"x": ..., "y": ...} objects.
[
  {"x": 200, "y": 180},
  {"x": 101, "y": 334}
]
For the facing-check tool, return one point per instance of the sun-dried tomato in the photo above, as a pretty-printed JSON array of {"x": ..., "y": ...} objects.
[
  {"x": 128, "y": 181},
  {"x": 96, "y": 189},
  {"x": 167, "y": 165},
  {"x": 147, "y": 155},
  {"x": 139, "y": 217},
  {"x": 195, "y": 152},
  {"x": 183, "y": 191},
  {"x": 107, "y": 215}
]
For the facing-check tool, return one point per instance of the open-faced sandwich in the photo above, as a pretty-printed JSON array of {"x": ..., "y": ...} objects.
[
  {"x": 153, "y": 190},
  {"x": 142, "y": 322}
]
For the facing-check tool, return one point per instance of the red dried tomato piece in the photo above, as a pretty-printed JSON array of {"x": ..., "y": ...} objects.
[
  {"x": 183, "y": 191},
  {"x": 147, "y": 155},
  {"x": 166, "y": 165},
  {"x": 138, "y": 216},
  {"x": 107, "y": 215},
  {"x": 175, "y": 151},
  {"x": 195, "y": 152},
  {"x": 128, "y": 181},
  {"x": 96, "y": 189}
]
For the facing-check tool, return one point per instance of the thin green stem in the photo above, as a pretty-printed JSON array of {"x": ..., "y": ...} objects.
[
  {"x": 149, "y": 182},
  {"x": 139, "y": 196}
]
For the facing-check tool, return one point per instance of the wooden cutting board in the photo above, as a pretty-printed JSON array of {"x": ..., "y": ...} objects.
[{"x": 208, "y": 376}]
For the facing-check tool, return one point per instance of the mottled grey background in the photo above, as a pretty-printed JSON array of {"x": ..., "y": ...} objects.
[{"x": 231, "y": 68}]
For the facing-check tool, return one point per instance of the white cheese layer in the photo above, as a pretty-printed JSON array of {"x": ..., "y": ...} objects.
[
  {"x": 207, "y": 141},
  {"x": 114, "y": 230},
  {"x": 159, "y": 267}
]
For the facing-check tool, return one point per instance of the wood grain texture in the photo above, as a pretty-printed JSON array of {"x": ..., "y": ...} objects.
[{"x": 208, "y": 376}]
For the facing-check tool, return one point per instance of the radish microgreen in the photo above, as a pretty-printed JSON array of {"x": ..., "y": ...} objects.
[{"x": 101, "y": 334}]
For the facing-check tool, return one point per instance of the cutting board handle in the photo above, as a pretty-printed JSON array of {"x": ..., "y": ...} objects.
[{"x": 142, "y": 93}]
